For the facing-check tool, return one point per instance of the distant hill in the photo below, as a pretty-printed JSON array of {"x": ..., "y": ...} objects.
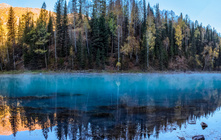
[
  {"x": 19, "y": 11},
  {"x": 4, "y": 5}
]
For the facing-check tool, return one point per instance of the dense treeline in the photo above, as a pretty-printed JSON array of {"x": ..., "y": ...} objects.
[{"x": 110, "y": 35}]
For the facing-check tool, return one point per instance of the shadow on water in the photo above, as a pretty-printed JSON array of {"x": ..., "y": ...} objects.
[
  {"x": 110, "y": 122},
  {"x": 131, "y": 115}
]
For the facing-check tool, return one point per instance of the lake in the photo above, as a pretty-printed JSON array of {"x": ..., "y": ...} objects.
[{"x": 110, "y": 106}]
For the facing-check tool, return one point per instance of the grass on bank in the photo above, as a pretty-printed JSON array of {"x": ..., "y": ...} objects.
[{"x": 97, "y": 71}]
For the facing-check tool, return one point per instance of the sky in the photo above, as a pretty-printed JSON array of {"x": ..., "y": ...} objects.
[{"x": 205, "y": 11}]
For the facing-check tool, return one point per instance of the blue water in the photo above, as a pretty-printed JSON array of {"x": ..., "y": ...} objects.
[{"x": 148, "y": 102}]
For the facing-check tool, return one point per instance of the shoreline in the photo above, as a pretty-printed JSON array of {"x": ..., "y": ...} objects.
[{"x": 104, "y": 72}]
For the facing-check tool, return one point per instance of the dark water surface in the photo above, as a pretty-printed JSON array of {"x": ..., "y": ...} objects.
[{"x": 109, "y": 106}]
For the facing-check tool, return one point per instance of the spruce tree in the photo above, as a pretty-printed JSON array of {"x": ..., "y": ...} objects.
[
  {"x": 43, "y": 15},
  {"x": 11, "y": 25},
  {"x": 58, "y": 27},
  {"x": 158, "y": 48},
  {"x": 143, "y": 36},
  {"x": 51, "y": 32},
  {"x": 171, "y": 36},
  {"x": 65, "y": 39},
  {"x": 50, "y": 24},
  {"x": 42, "y": 36},
  {"x": 103, "y": 36},
  {"x": 95, "y": 34},
  {"x": 74, "y": 11},
  {"x": 27, "y": 39}
]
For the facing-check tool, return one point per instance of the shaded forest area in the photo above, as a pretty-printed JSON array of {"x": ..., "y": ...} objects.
[{"x": 107, "y": 35}]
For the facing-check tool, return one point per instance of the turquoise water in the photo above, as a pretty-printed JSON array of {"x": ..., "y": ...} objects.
[{"x": 109, "y": 106}]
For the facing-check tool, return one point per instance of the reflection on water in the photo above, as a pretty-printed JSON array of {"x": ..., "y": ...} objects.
[{"x": 102, "y": 106}]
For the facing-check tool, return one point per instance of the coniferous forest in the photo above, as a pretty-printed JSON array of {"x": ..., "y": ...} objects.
[{"x": 107, "y": 35}]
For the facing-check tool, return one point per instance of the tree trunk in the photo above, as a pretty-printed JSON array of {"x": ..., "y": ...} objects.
[
  {"x": 46, "y": 64},
  {"x": 55, "y": 51},
  {"x": 75, "y": 44},
  {"x": 7, "y": 54},
  {"x": 118, "y": 44},
  {"x": 87, "y": 39},
  {"x": 1, "y": 66},
  {"x": 147, "y": 54},
  {"x": 14, "y": 54},
  {"x": 72, "y": 62},
  {"x": 50, "y": 41},
  {"x": 66, "y": 45},
  {"x": 137, "y": 57},
  {"x": 112, "y": 45}
]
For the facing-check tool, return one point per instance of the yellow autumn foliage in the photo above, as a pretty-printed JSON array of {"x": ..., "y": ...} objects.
[{"x": 178, "y": 37}]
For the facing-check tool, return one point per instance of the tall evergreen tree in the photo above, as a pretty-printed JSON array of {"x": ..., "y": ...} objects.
[
  {"x": 51, "y": 32},
  {"x": 11, "y": 25},
  {"x": 158, "y": 48},
  {"x": 103, "y": 33},
  {"x": 59, "y": 32},
  {"x": 65, "y": 41},
  {"x": 95, "y": 34}
]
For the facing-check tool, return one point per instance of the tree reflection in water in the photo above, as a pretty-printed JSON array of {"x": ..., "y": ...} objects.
[{"x": 122, "y": 120}]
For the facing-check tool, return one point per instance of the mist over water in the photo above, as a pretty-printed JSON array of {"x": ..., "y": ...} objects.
[{"x": 109, "y": 106}]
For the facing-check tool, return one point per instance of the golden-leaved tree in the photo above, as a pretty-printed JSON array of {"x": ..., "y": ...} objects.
[
  {"x": 179, "y": 38},
  {"x": 132, "y": 43}
]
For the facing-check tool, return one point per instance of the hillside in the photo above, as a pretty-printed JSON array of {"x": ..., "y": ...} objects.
[{"x": 19, "y": 11}]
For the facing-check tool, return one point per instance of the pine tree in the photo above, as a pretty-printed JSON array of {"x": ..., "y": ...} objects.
[
  {"x": 50, "y": 24},
  {"x": 171, "y": 36},
  {"x": 158, "y": 48},
  {"x": 58, "y": 26},
  {"x": 42, "y": 36},
  {"x": 51, "y": 32},
  {"x": 74, "y": 11},
  {"x": 80, "y": 11},
  {"x": 143, "y": 36},
  {"x": 41, "y": 41},
  {"x": 95, "y": 34},
  {"x": 65, "y": 41},
  {"x": 103, "y": 34},
  {"x": 27, "y": 39},
  {"x": 11, "y": 25},
  {"x": 193, "y": 46},
  {"x": 43, "y": 15}
]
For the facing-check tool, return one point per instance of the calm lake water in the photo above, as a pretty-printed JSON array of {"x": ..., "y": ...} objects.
[{"x": 109, "y": 106}]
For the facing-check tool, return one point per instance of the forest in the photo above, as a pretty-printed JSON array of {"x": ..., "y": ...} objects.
[{"x": 107, "y": 35}]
